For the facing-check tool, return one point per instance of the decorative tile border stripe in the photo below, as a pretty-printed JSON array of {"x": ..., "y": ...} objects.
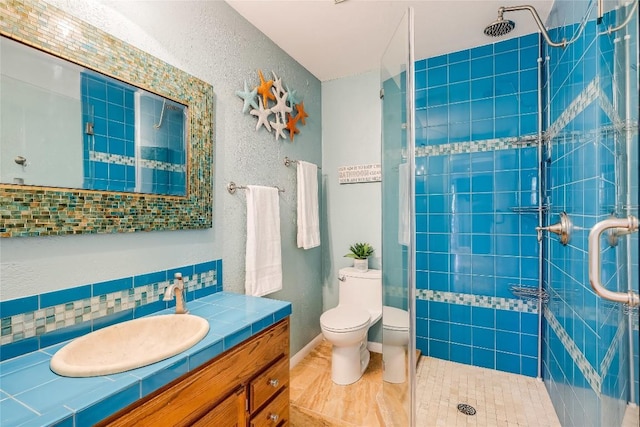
[
  {"x": 510, "y": 304},
  {"x": 165, "y": 166},
  {"x": 589, "y": 372},
  {"x": 477, "y": 146},
  {"x": 99, "y": 156},
  {"x": 615, "y": 345},
  {"x": 37, "y": 321},
  {"x": 610, "y": 110},
  {"x": 40, "y": 211},
  {"x": 577, "y": 106}
]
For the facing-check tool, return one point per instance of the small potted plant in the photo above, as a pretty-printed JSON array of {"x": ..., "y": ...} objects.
[{"x": 360, "y": 252}]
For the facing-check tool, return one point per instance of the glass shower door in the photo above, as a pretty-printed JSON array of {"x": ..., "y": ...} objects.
[
  {"x": 591, "y": 342},
  {"x": 398, "y": 336}
]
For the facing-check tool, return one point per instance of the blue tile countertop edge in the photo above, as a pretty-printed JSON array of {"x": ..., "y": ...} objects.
[{"x": 32, "y": 395}]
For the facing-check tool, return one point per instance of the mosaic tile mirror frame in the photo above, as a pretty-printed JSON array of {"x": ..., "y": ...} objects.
[{"x": 41, "y": 211}]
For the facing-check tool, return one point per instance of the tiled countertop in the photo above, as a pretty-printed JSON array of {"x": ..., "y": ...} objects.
[{"x": 32, "y": 395}]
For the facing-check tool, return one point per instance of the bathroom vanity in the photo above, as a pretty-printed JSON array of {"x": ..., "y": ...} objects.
[
  {"x": 247, "y": 385},
  {"x": 238, "y": 374}
]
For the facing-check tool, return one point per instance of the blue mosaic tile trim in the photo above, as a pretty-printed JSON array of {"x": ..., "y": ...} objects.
[
  {"x": 165, "y": 166},
  {"x": 589, "y": 372},
  {"x": 499, "y": 303},
  {"x": 477, "y": 146},
  {"x": 613, "y": 348},
  {"x": 144, "y": 298},
  {"x": 610, "y": 110},
  {"x": 98, "y": 156},
  {"x": 582, "y": 101}
]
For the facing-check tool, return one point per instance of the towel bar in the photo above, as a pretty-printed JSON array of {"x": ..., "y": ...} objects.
[
  {"x": 289, "y": 162},
  {"x": 232, "y": 187}
]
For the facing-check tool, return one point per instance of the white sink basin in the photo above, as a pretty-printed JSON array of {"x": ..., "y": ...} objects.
[{"x": 129, "y": 345}]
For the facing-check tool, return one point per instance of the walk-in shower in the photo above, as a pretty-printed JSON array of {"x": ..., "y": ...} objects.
[{"x": 507, "y": 138}]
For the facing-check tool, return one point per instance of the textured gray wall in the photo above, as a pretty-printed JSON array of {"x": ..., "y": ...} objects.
[{"x": 212, "y": 42}]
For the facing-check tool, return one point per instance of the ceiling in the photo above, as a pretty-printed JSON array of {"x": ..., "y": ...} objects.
[{"x": 338, "y": 40}]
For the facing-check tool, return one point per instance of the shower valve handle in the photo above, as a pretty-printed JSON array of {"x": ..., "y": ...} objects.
[{"x": 562, "y": 229}]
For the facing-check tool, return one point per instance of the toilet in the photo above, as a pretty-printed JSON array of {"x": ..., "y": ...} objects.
[
  {"x": 346, "y": 326},
  {"x": 395, "y": 339}
]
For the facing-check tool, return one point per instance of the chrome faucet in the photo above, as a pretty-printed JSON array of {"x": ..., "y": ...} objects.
[{"x": 177, "y": 289}]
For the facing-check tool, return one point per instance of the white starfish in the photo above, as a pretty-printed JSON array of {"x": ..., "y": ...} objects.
[
  {"x": 277, "y": 83},
  {"x": 278, "y": 128},
  {"x": 249, "y": 97},
  {"x": 281, "y": 103},
  {"x": 263, "y": 116}
]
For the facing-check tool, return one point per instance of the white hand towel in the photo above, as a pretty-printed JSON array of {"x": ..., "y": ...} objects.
[
  {"x": 264, "y": 256},
  {"x": 404, "y": 218},
  {"x": 308, "y": 217}
]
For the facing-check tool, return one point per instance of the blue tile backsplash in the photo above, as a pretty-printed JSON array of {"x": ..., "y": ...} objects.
[{"x": 38, "y": 321}]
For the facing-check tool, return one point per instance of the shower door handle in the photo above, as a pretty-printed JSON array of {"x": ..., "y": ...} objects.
[{"x": 631, "y": 224}]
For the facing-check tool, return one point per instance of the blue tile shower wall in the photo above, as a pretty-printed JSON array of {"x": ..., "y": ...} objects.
[
  {"x": 478, "y": 94},
  {"x": 586, "y": 354},
  {"x": 470, "y": 241},
  {"x": 109, "y": 108},
  {"x": 38, "y": 321}
]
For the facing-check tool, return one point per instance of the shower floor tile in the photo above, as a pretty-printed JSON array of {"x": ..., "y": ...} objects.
[{"x": 499, "y": 398}]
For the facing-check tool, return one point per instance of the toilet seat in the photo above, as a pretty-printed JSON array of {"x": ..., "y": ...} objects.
[
  {"x": 395, "y": 319},
  {"x": 344, "y": 319}
]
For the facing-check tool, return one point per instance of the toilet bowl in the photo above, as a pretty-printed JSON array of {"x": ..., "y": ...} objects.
[
  {"x": 346, "y": 326},
  {"x": 395, "y": 341}
]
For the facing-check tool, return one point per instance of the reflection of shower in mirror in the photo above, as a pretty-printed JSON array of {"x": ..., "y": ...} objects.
[{"x": 170, "y": 107}]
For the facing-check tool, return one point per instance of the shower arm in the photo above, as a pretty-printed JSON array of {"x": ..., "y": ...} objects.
[
  {"x": 624, "y": 23},
  {"x": 536, "y": 17}
]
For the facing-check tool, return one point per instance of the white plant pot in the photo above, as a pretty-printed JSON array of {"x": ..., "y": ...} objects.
[{"x": 361, "y": 264}]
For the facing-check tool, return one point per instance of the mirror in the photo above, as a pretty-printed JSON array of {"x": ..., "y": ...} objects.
[
  {"x": 161, "y": 140},
  {"x": 66, "y": 126}
]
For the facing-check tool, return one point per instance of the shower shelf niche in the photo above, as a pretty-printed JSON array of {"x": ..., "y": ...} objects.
[{"x": 529, "y": 293}]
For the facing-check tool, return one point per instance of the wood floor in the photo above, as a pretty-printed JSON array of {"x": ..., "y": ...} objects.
[{"x": 317, "y": 402}]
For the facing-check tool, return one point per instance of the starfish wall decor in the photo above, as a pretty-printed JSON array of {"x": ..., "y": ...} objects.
[{"x": 274, "y": 106}]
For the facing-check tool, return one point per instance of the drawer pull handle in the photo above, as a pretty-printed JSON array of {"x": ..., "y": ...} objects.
[
  {"x": 274, "y": 383},
  {"x": 274, "y": 417}
]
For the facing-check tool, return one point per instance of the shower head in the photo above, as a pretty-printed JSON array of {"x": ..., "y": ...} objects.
[
  {"x": 503, "y": 26},
  {"x": 499, "y": 27}
]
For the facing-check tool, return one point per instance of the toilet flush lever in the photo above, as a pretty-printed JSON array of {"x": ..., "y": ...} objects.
[
  {"x": 562, "y": 229},
  {"x": 342, "y": 278}
]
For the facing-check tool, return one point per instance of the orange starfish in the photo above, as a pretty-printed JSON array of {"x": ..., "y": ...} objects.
[
  {"x": 265, "y": 89},
  {"x": 301, "y": 113},
  {"x": 291, "y": 125}
]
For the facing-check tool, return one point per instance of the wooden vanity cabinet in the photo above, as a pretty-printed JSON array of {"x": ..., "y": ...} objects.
[{"x": 247, "y": 385}]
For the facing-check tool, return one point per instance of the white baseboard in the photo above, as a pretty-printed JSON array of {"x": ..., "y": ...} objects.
[
  {"x": 305, "y": 351},
  {"x": 374, "y": 347}
]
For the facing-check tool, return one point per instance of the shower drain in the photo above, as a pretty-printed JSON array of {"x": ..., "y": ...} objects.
[{"x": 466, "y": 409}]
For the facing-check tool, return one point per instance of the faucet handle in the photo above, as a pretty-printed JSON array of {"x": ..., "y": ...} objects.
[{"x": 168, "y": 293}]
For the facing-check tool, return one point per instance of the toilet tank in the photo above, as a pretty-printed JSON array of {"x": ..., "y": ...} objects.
[{"x": 359, "y": 288}]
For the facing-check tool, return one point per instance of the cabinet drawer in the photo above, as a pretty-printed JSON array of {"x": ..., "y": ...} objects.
[
  {"x": 275, "y": 413},
  {"x": 268, "y": 384},
  {"x": 228, "y": 413}
]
